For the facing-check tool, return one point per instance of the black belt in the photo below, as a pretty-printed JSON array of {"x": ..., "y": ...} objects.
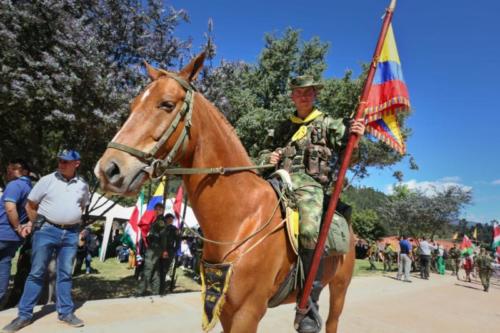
[{"x": 63, "y": 226}]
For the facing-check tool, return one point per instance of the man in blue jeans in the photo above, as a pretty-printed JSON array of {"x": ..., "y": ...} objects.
[
  {"x": 54, "y": 208},
  {"x": 404, "y": 263},
  {"x": 12, "y": 217}
]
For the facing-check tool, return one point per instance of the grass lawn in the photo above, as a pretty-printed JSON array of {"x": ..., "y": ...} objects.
[
  {"x": 112, "y": 279},
  {"x": 362, "y": 268}
]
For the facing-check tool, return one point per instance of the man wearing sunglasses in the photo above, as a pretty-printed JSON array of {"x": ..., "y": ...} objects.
[{"x": 55, "y": 206}]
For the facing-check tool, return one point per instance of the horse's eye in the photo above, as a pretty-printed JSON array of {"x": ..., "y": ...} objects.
[{"x": 167, "y": 106}]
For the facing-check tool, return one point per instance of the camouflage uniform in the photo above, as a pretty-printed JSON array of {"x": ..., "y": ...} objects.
[
  {"x": 310, "y": 149},
  {"x": 388, "y": 257},
  {"x": 372, "y": 256},
  {"x": 311, "y": 161},
  {"x": 455, "y": 260},
  {"x": 483, "y": 262},
  {"x": 154, "y": 270}
]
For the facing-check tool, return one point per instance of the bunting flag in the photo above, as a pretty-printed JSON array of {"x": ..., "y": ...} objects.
[
  {"x": 149, "y": 215},
  {"x": 388, "y": 96},
  {"x": 474, "y": 233},
  {"x": 455, "y": 236},
  {"x": 132, "y": 228},
  {"x": 466, "y": 246},
  {"x": 496, "y": 237}
]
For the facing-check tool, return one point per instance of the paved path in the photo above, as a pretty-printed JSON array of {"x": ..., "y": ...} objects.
[{"x": 374, "y": 305}]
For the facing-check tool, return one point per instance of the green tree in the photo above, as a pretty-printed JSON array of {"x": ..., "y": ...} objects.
[
  {"x": 416, "y": 213},
  {"x": 69, "y": 69},
  {"x": 366, "y": 222}
]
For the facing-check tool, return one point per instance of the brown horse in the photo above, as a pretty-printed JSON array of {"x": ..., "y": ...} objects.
[{"x": 229, "y": 207}]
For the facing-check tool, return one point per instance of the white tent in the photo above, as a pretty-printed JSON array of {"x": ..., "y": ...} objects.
[{"x": 100, "y": 204}]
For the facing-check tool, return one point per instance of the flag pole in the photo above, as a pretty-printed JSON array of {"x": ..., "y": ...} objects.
[
  {"x": 179, "y": 240},
  {"x": 346, "y": 158}
]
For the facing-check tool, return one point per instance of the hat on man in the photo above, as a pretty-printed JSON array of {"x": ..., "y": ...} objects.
[
  {"x": 304, "y": 81},
  {"x": 69, "y": 155}
]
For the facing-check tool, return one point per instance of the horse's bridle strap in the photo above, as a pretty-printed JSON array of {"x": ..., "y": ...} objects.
[
  {"x": 215, "y": 170},
  {"x": 162, "y": 165},
  {"x": 184, "y": 112},
  {"x": 132, "y": 151}
]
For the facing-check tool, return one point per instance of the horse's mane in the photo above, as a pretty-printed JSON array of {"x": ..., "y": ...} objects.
[{"x": 224, "y": 126}]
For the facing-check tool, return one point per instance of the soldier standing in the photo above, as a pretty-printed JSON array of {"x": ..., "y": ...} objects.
[
  {"x": 388, "y": 257},
  {"x": 483, "y": 262},
  {"x": 155, "y": 253},
  {"x": 372, "y": 256},
  {"x": 171, "y": 243},
  {"x": 455, "y": 259}
]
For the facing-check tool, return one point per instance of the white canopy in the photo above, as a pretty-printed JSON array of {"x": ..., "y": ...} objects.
[{"x": 100, "y": 204}]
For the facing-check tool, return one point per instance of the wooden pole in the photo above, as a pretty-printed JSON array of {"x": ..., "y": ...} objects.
[
  {"x": 346, "y": 158},
  {"x": 179, "y": 240}
]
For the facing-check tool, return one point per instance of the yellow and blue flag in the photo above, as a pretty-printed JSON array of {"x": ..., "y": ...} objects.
[{"x": 388, "y": 96}]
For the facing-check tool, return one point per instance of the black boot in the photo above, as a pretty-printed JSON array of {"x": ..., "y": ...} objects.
[{"x": 311, "y": 321}]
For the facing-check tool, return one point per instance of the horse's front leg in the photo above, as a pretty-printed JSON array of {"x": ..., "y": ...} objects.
[{"x": 244, "y": 318}]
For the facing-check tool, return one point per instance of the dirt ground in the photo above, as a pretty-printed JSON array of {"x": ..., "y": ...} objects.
[{"x": 378, "y": 304}]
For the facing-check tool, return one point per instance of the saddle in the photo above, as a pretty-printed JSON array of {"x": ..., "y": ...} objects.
[
  {"x": 338, "y": 240},
  {"x": 338, "y": 236}
]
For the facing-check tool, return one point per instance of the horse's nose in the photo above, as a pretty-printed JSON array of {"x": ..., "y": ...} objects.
[{"x": 112, "y": 171}]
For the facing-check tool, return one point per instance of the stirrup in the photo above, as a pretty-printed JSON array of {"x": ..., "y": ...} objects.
[{"x": 309, "y": 313}]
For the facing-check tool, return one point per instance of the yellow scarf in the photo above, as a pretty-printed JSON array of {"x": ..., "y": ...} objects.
[{"x": 302, "y": 131}]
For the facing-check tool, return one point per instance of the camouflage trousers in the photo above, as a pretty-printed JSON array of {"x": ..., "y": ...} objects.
[
  {"x": 455, "y": 265},
  {"x": 484, "y": 275},
  {"x": 309, "y": 198},
  {"x": 154, "y": 274}
]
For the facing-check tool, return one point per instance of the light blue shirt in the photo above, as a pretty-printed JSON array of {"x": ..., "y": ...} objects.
[
  {"x": 426, "y": 248},
  {"x": 59, "y": 200}
]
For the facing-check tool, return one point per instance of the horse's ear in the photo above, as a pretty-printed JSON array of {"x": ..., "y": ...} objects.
[
  {"x": 191, "y": 71},
  {"x": 153, "y": 73}
]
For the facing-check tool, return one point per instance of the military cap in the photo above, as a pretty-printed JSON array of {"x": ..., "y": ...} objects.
[{"x": 304, "y": 81}]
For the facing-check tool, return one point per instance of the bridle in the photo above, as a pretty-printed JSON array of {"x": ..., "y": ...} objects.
[{"x": 156, "y": 167}]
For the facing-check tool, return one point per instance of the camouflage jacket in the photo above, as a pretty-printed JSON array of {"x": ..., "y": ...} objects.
[
  {"x": 313, "y": 148},
  {"x": 158, "y": 237},
  {"x": 483, "y": 262},
  {"x": 454, "y": 253}
]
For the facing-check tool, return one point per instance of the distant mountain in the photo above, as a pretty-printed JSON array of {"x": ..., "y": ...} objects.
[{"x": 469, "y": 223}]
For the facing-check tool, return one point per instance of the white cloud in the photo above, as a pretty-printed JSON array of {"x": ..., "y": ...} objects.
[
  {"x": 430, "y": 187},
  {"x": 496, "y": 182}
]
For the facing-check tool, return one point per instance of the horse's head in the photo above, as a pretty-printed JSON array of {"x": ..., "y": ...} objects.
[{"x": 155, "y": 132}]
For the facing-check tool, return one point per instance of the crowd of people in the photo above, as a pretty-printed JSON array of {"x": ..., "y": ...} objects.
[
  {"x": 33, "y": 214},
  {"x": 423, "y": 256}
]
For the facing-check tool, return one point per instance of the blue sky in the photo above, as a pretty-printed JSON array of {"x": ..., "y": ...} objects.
[{"x": 450, "y": 54}]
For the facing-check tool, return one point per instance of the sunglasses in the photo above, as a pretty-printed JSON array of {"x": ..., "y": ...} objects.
[{"x": 64, "y": 162}]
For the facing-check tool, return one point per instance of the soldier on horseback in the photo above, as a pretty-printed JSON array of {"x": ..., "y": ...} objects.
[{"x": 309, "y": 147}]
